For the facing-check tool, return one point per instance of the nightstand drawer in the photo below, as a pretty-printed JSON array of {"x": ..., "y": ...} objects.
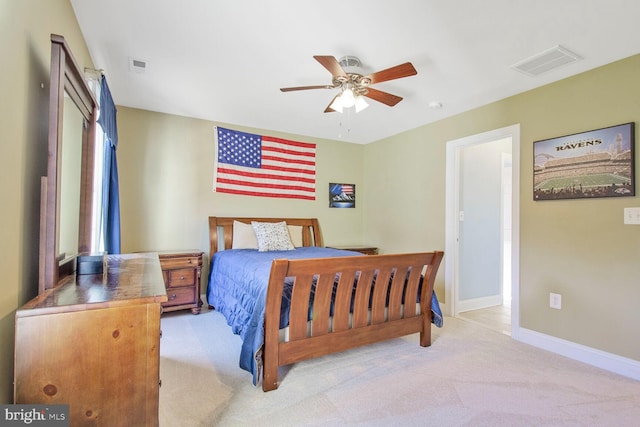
[
  {"x": 179, "y": 296},
  {"x": 180, "y": 262},
  {"x": 182, "y": 277}
]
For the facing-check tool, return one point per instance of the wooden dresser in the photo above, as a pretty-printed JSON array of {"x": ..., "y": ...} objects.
[
  {"x": 182, "y": 273},
  {"x": 94, "y": 343}
]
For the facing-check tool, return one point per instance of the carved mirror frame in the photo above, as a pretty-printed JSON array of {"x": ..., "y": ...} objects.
[{"x": 66, "y": 78}]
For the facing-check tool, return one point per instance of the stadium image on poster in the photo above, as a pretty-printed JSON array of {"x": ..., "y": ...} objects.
[
  {"x": 342, "y": 195},
  {"x": 598, "y": 163}
]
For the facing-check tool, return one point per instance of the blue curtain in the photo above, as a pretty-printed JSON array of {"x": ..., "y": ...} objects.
[{"x": 110, "y": 194}]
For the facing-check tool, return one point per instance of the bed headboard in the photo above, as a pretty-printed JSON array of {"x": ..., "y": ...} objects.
[{"x": 223, "y": 226}]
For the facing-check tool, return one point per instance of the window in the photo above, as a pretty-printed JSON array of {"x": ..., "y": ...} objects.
[{"x": 97, "y": 223}]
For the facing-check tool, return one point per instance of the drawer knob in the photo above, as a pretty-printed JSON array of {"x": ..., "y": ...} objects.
[
  {"x": 173, "y": 296},
  {"x": 50, "y": 390},
  {"x": 181, "y": 277}
]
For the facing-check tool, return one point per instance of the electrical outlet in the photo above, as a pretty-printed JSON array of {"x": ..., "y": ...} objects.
[{"x": 555, "y": 301}]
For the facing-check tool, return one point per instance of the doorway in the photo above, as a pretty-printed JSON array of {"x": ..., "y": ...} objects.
[{"x": 481, "y": 266}]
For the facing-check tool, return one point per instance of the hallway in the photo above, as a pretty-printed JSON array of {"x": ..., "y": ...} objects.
[{"x": 497, "y": 318}]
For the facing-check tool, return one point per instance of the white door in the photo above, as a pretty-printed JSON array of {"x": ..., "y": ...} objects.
[{"x": 482, "y": 222}]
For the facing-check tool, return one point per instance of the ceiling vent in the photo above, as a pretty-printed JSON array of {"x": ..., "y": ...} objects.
[
  {"x": 137, "y": 65},
  {"x": 548, "y": 60}
]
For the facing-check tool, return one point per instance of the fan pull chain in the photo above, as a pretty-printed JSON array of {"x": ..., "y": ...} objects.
[{"x": 347, "y": 113}]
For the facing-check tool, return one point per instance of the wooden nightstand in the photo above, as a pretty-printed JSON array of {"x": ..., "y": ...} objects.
[
  {"x": 182, "y": 274},
  {"x": 367, "y": 250}
]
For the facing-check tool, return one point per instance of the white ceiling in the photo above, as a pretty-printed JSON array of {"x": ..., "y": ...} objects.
[{"x": 225, "y": 61}]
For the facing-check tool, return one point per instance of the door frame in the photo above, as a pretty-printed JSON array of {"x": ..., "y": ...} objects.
[{"x": 452, "y": 195}]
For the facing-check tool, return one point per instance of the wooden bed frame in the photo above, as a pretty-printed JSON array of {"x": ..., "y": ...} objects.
[{"x": 372, "y": 319}]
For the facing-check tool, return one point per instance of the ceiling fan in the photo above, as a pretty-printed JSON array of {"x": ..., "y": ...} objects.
[{"x": 354, "y": 86}]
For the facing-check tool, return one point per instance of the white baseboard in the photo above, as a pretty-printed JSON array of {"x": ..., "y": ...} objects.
[
  {"x": 446, "y": 310},
  {"x": 598, "y": 358},
  {"x": 479, "y": 303}
]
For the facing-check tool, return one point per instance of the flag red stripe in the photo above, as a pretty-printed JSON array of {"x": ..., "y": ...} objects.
[
  {"x": 288, "y": 160},
  {"x": 222, "y": 170},
  {"x": 289, "y": 142},
  {"x": 257, "y": 193},
  {"x": 285, "y": 151},
  {"x": 283, "y": 169},
  {"x": 265, "y": 185}
]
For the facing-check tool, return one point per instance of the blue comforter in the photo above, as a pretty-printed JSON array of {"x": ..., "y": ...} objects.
[{"x": 237, "y": 288}]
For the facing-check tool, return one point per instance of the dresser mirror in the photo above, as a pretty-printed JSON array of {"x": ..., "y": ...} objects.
[{"x": 66, "y": 208}]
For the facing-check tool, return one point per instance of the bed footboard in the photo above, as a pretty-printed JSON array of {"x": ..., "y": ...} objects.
[{"x": 356, "y": 301}]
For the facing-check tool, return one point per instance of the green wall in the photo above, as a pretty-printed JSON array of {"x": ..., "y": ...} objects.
[
  {"x": 578, "y": 248},
  {"x": 166, "y": 178},
  {"x": 25, "y": 46}
]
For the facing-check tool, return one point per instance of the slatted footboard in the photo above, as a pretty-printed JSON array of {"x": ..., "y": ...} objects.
[{"x": 375, "y": 300}]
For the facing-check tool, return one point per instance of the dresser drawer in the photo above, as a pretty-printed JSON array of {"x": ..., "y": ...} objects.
[
  {"x": 179, "y": 296},
  {"x": 182, "y": 277}
]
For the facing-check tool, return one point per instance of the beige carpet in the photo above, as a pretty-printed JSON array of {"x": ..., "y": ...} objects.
[{"x": 470, "y": 376}]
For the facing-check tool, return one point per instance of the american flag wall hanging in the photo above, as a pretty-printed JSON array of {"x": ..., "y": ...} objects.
[
  {"x": 259, "y": 165},
  {"x": 342, "y": 195}
]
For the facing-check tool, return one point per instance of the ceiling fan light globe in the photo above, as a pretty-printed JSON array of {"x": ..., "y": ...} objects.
[
  {"x": 337, "y": 104},
  {"x": 348, "y": 99},
  {"x": 360, "y": 104}
]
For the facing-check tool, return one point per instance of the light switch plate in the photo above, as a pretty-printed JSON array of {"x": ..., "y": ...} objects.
[{"x": 555, "y": 301}]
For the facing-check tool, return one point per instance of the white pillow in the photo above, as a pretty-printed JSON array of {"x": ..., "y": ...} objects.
[
  {"x": 272, "y": 236},
  {"x": 295, "y": 232},
  {"x": 243, "y": 236}
]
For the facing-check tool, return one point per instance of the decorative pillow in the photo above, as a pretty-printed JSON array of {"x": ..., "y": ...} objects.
[
  {"x": 295, "y": 232},
  {"x": 272, "y": 236},
  {"x": 243, "y": 236}
]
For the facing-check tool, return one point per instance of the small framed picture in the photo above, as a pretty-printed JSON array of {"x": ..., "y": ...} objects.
[
  {"x": 597, "y": 163},
  {"x": 342, "y": 195}
]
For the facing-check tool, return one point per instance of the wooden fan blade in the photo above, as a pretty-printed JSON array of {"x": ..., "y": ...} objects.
[
  {"x": 384, "y": 97},
  {"x": 331, "y": 64},
  {"x": 397, "y": 72},
  {"x": 289, "y": 89}
]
